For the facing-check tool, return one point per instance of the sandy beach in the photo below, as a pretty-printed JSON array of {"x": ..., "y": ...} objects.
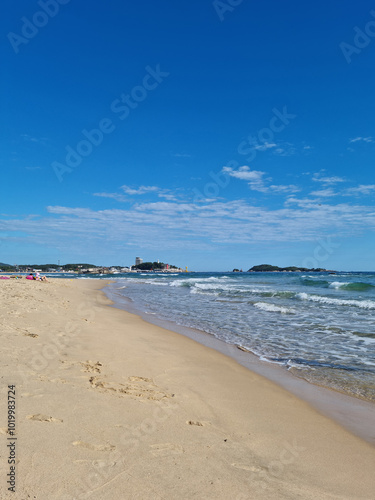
[{"x": 109, "y": 406}]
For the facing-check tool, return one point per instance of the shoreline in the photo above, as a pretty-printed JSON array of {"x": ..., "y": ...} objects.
[
  {"x": 127, "y": 409},
  {"x": 354, "y": 414}
]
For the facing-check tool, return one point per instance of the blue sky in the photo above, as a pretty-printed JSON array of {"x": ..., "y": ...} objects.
[{"x": 209, "y": 134}]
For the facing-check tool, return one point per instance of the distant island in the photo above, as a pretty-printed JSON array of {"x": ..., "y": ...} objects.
[
  {"x": 153, "y": 266},
  {"x": 84, "y": 268},
  {"x": 263, "y": 268}
]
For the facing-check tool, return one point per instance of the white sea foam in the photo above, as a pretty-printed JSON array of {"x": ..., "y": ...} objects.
[
  {"x": 363, "y": 304},
  {"x": 338, "y": 284},
  {"x": 265, "y": 306},
  {"x": 213, "y": 286}
]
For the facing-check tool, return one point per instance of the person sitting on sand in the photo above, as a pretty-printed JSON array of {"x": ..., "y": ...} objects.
[
  {"x": 40, "y": 278},
  {"x": 37, "y": 277}
]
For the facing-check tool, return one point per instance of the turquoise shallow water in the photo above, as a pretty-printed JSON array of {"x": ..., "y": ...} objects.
[{"x": 319, "y": 326}]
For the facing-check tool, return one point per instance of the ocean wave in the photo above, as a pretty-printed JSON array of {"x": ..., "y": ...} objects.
[
  {"x": 265, "y": 306},
  {"x": 190, "y": 282},
  {"x": 358, "y": 287},
  {"x": 364, "y": 335},
  {"x": 337, "y": 284},
  {"x": 315, "y": 282},
  {"x": 204, "y": 291},
  {"x": 362, "y": 304}
]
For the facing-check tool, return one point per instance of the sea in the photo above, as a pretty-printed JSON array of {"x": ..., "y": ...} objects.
[{"x": 318, "y": 326}]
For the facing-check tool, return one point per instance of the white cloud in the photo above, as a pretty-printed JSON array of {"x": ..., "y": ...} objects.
[
  {"x": 285, "y": 149},
  {"x": 29, "y": 138},
  {"x": 256, "y": 181},
  {"x": 317, "y": 177},
  {"x": 325, "y": 193},
  {"x": 254, "y": 177},
  {"x": 290, "y": 188},
  {"x": 363, "y": 189},
  {"x": 181, "y": 155},
  {"x": 244, "y": 173},
  {"x": 265, "y": 146},
  {"x": 362, "y": 139},
  {"x": 140, "y": 190},
  {"x": 183, "y": 224},
  {"x": 167, "y": 196},
  {"x": 114, "y": 196},
  {"x": 161, "y": 193}
]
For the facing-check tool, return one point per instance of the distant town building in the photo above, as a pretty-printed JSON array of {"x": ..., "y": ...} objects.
[{"x": 138, "y": 261}]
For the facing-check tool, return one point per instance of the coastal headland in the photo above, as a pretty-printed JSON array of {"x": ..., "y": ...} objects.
[{"x": 110, "y": 407}]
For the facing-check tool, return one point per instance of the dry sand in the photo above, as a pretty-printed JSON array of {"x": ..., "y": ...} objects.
[{"x": 111, "y": 407}]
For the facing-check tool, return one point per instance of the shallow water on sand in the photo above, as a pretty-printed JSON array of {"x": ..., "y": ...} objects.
[{"x": 319, "y": 326}]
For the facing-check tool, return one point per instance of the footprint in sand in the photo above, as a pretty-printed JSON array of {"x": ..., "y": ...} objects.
[
  {"x": 252, "y": 468},
  {"x": 196, "y": 422},
  {"x": 94, "y": 447},
  {"x": 145, "y": 390},
  {"x": 43, "y": 418},
  {"x": 99, "y": 464},
  {"x": 139, "y": 379},
  {"x": 91, "y": 366},
  {"x": 166, "y": 449}
]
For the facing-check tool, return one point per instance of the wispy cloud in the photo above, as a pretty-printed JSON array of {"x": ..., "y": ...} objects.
[
  {"x": 265, "y": 146},
  {"x": 140, "y": 190},
  {"x": 324, "y": 193},
  {"x": 285, "y": 149},
  {"x": 318, "y": 177},
  {"x": 279, "y": 149},
  {"x": 256, "y": 181},
  {"x": 166, "y": 194},
  {"x": 193, "y": 225},
  {"x": 362, "y": 139},
  {"x": 362, "y": 189},
  {"x": 30, "y": 138},
  {"x": 181, "y": 155},
  {"x": 115, "y": 196},
  {"x": 244, "y": 173}
]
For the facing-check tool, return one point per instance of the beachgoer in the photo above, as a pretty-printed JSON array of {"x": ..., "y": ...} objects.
[{"x": 40, "y": 277}]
